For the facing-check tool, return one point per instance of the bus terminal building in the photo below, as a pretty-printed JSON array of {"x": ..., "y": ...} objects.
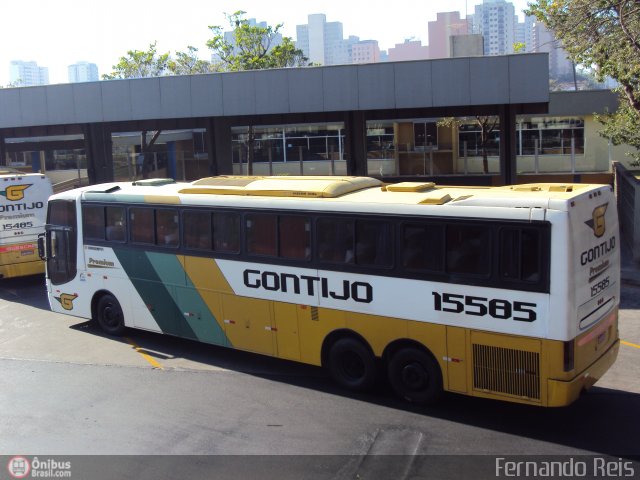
[{"x": 477, "y": 120}]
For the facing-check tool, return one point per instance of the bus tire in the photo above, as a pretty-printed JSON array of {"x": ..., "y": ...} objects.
[
  {"x": 352, "y": 365},
  {"x": 415, "y": 376},
  {"x": 109, "y": 315}
]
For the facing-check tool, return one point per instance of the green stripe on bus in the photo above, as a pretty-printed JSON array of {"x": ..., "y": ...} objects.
[
  {"x": 154, "y": 292},
  {"x": 194, "y": 309}
]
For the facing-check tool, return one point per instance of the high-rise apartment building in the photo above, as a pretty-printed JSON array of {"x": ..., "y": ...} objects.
[
  {"x": 524, "y": 32},
  {"x": 365, "y": 51},
  {"x": 83, "y": 72},
  {"x": 409, "y": 50},
  {"x": 496, "y": 21},
  {"x": 543, "y": 40},
  {"x": 322, "y": 42},
  {"x": 25, "y": 74},
  {"x": 446, "y": 25}
]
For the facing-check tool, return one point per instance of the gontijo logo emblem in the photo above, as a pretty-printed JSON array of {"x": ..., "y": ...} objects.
[
  {"x": 597, "y": 220},
  {"x": 15, "y": 192},
  {"x": 66, "y": 300}
]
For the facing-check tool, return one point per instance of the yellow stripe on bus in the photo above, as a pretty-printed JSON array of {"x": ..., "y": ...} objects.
[{"x": 205, "y": 274}]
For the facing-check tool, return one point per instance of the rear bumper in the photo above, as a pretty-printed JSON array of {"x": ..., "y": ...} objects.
[
  {"x": 560, "y": 393},
  {"x": 21, "y": 269}
]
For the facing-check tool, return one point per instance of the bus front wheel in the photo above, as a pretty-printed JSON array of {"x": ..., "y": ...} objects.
[
  {"x": 415, "y": 376},
  {"x": 352, "y": 365},
  {"x": 109, "y": 315}
]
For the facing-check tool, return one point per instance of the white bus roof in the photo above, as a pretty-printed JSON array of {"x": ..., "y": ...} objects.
[{"x": 305, "y": 192}]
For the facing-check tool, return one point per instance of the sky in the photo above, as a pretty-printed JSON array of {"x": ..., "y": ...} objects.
[{"x": 58, "y": 33}]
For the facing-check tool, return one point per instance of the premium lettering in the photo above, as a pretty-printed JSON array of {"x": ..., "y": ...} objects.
[
  {"x": 100, "y": 263},
  {"x": 361, "y": 292},
  {"x": 595, "y": 272}
]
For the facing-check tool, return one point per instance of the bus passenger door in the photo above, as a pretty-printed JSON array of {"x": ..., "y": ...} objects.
[
  {"x": 60, "y": 242},
  {"x": 456, "y": 355},
  {"x": 248, "y": 323},
  {"x": 286, "y": 321}
]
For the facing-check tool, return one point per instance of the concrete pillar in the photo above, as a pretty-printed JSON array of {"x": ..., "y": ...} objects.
[
  {"x": 97, "y": 139},
  {"x": 356, "y": 143},
  {"x": 508, "y": 167},
  {"x": 219, "y": 146}
]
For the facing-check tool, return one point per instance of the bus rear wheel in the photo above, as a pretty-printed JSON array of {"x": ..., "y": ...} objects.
[
  {"x": 352, "y": 365},
  {"x": 109, "y": 315},
  {"x": 415, "y": 376}
]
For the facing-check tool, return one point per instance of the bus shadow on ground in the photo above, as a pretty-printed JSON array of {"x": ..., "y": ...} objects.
[
  {"x": 602, "y": 421},
  {"x": 30, "y": 291}
]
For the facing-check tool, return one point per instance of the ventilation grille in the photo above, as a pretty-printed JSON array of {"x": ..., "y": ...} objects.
[{"x": 504, "y": 370}]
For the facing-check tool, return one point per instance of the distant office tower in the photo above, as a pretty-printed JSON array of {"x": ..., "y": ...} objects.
[
  {"x": 543, "y": 40},
  {"x": 365, "y": 51},
  {"x": 322, "y": 42},
  {"x": 524, "y": 32},
  {"x": 409, "y": 50},
  {"x": 83, "y": 72},
  {"x": 496, "y": 21},
  {"x": 26, "y": 74},
  {"x": 446, "y": 25}
]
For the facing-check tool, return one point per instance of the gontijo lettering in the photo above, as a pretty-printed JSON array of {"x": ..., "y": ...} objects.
[
  {"x": 17, "y": 207},
  {"x": 598, "y": 251},
  {"x": 307, "y": 285}
]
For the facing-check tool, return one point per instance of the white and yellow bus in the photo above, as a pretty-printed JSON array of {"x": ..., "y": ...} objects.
[
  {"x": 23, "y": 208},
  {"x": 508, "y": 293}
]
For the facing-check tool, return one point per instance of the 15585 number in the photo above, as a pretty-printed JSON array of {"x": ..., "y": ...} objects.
[{"x": 481, "y": 306}]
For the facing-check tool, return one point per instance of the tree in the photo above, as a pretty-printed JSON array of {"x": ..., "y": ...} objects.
[
  {"x": 139, "y": 64},
  {"x": 519, "y": 47},
  {"x": 150, "y": 63},
  {"x": 603, "y": 35},
  {"x": 188, "y": 63},
  {"x": 251, "y": 47},
  {"x": 487, "y": 126}
]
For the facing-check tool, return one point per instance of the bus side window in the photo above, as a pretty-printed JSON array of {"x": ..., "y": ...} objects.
[
  {"x": 226, "y": 232},
  {"x": 520, "y": 254},
  {"x": 294, "y": 233},
  {"x": 423, "y": 247},
  {"x": 167, "y": 227},
  {"x": 373, "y": 243},
  {"x": 335, "y": 240},
  {"x": 141, "y": 220},
  {"x": 93, "y": 222},
  {"x": 261, "y": 234},
  {"x": 468, "y": 249},
  {"x": 115, "y": 224},
  {"x": 197, "y": 230},
  {"x": 62, "y": 213}
]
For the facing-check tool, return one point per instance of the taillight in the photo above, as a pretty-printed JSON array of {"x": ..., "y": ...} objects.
[{"x": 569, "y": 355}]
